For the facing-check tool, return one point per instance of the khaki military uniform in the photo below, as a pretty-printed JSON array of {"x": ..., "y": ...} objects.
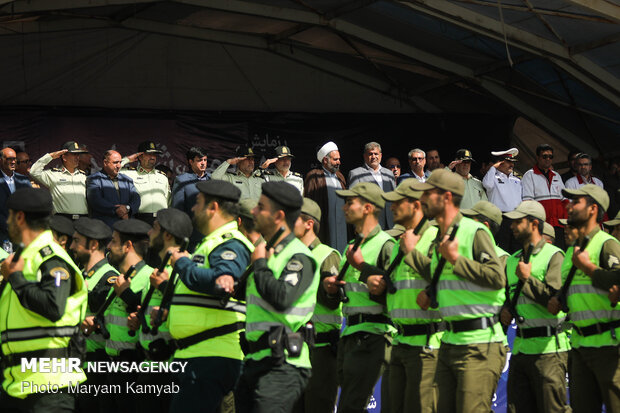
[
  {"x": 153, "y": 188},
  {"x": 293, "y": 178},
  {"x": 68, "y": 189},
  {"x": 250, "y": 186}
]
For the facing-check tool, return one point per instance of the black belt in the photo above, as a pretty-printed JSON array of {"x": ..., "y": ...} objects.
[
  {"x": 418, "y": 329},
  {"x": 545, "y": 331},
  {"x": 598, "y": 328},
  {"x": 327, "y": 337},
  {"x": 470, "y": 325},
  {"x": 15, "y": 359},
  {"x": 367, "y": 318},
  {"x": 73, "y": 216},
  {"x": 145, "y": 215}
]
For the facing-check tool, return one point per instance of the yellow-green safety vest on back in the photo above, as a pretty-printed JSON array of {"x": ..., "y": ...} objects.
[
  {"x": 95, "y": 341},
  {"x": 587, "y": 304},
  {"x": 23, "y": 331},
  {"x": 460, "y": 299},
  {"x": 402, "y": 305},
  {"x": 192, "y": 312},
  {"x": 261, "y": 316},
  {"x": 116, "y": 314},
  {"x": 357, "y": 291},
  {"x": 325, "y": 319},
  {"x": 534, "y": 314}
]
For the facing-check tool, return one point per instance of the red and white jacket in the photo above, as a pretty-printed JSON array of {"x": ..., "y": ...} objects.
[{"x": 546, "y": 189}]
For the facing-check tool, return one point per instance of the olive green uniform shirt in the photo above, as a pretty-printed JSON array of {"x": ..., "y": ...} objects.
[
  {"x": 153, "y": 187},
  {"x": 608, "y": 272},
  {"x": 250, "y": 187},
  {"x": 328, "y": 268},
  {"x": 539, "y": 291},
  {"x": 485, "y": 270},
  {"x": 68, "y": 189}
]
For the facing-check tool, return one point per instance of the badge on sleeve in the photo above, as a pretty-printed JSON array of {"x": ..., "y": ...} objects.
[
  {"x": 198, "y": 259},
  {"x": 333, "y": 270},
  {"x": 228, "y": 255},
  {"x": 294, "y": 265},
  {"x": 613, "y": 261},
  {"x": 111, "y": 280},
  {"x": 484, "y": 257},
  {"x": 292, "y": 278},
  {"x": 45, "y": 251},
  {"x": 59, "y": 274}
]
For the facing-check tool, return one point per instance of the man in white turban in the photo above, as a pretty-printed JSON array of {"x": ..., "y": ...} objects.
[{"x": 320, "y": 186}]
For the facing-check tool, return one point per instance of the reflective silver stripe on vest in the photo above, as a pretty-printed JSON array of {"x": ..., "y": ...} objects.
[
  {"x": 296, "y": 311},
  {"x": 356, "y": 287},
  {"x": 410, "y": 284},
  {"x": 150, "y": 337},
  {"x": 202, "y": 301},
  {"x": 116, "y": 320},
  {"x": 586, "y": 289},
  {"x": 264, "y": 326},
  {"x": 35, "y": 333},
  {"x": 409, "y": 313},
  {"x": 474, "y": 309},
  {"x": 97, "y": 337},
  {"x": 462, "y": 285},
  {"x": 120, "y": 345},
  {"x": 595, "y": 315},
  {"x": 327, "y": 318},
  {"x": 369, "y": 309},
  {"x": 542, "y": 322}
]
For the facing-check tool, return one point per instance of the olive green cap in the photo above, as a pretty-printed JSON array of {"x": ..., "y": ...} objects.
[
  {"x": 548, "y": 230},
  {"x": 403, "y": 190},
  {"x": 311, "y": 208},
  {"x": 367, "y": 190},
  {"x": 613, "y": 222},
  {"x": 528, "y": 208},
  {"x": 442, "y": 179},
  {"x": 593, "y": 191},
  {"x": 485, "y": 208},
  {"x": 246, "y": 206}
]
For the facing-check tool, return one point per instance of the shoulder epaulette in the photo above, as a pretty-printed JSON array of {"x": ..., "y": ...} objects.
[
  {"x": 45, "y": 251},
  {"x": 228, "y": 235},
  {"x": 57, "y": 169},
  {"x": 162, "y": 172},
  {"x": 81, "y": 171},
  {"x": 297, "y": 174},
  {"x": 130, "y": 168}
]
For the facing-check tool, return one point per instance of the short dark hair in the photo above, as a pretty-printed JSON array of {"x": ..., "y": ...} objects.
[
  {"x": 230, "y": 208},
  {"x": 37, "y": 221},
  {"x": 493, "y": 226},
  {"x": 584, "y": 156},
  {"x": 572, "y": 153},
  {"x": 140, "y": 242},
  {"x": 289, "y": 213},
  {"x": 543, "y": 147},
  {"x": 248, "y": 223},
  {"x": 195, "y": 151},
  {"x": 541, "y": 223},
  {"x": 315, "y": 226},
  {"x": 101, "y": 243},
  {"x": 601, "y": 210}
]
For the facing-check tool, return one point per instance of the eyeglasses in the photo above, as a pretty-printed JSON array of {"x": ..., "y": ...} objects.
[
  {"x": 413, "y": 158},
  {"x": 393, "y": 166},
  {"x": 546, "y": 156},
  {"x": 24, "y": 161}
]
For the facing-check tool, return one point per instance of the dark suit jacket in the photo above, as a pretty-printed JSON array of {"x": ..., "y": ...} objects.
[
  {"x": 315, "y": 188},
  {"x": 184, "y": 192},
  {"x": 101, "y": 196},
  {"x": 21, "y": 181},
  {"x": 361, "y": 174}
]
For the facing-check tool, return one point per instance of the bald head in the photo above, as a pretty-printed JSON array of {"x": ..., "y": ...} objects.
[
  {"x": 9, "y": 161},
  {"x": 112, "y": 163}
]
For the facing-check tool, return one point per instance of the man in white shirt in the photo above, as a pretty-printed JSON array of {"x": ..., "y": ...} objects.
[{"x": 584, "y": 173}]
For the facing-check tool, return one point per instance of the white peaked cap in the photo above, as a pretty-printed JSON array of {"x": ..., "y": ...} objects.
[
  {"x": 325, "y": 150},
  {"x": 512, "y": 152}
]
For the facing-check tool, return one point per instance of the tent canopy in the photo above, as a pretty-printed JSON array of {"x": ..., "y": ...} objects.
[{"x": 554, "y": 62}]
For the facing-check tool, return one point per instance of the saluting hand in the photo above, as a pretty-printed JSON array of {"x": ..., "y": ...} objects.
[
  {"x": 58, "y": 154},
  {"x": 268, "y": 162}
]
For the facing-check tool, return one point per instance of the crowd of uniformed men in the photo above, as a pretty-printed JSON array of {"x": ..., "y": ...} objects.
[{"x": 256, "y": 310}]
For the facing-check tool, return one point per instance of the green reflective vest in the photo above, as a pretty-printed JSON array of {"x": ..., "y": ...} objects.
[
  {"x": 95, "y": 341},
  {"x": 192, "y": 312},
  {"x": 357, "y": 291},
  {"x": 587, "y": 304},
  {"x": 24, "y": 331},
  {"x": 116, "y": 314},
  {"x": 324, "y": 319},
  {"x": 3, "y": 254},
  {"x": 261, "y": 316},
  {"x": 155, "y": 301},
  {"x": 536, "y": 315},
  {"x": 460, "y": 299},
  {"x": 402, "y": 305}
]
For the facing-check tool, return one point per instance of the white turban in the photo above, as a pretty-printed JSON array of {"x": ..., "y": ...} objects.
[{"x": 325, "y": 150}]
